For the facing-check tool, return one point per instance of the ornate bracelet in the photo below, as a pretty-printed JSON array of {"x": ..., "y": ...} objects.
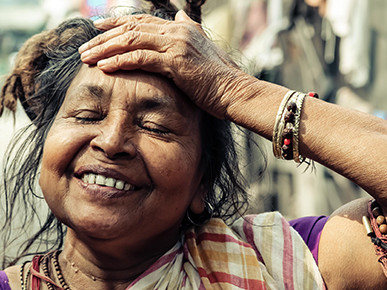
[
  {"x": 278, "y": 131},
  {"x": 376, "y": 229},
  {"x": 296, "y": 127},
  {"x": 286, "y": 128}
]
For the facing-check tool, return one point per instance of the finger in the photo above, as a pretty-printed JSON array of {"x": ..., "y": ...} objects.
[
  {"x": 104, "y": 37},
  {"x": 109, "y": 23},
  {"x": 115, "y": 32},
  {"x": 129, "y": 41},
  {"x": 146, "y": 60},
  {"x": 181, "y": 16}
]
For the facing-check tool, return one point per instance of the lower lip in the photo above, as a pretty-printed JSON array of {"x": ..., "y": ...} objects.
[{"x": 103, "y": 192}]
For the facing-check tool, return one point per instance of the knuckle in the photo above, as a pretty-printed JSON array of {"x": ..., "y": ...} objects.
[
  {"x": 98, "y": 50},
  {"x": 129, "y": 26},
  {"x": 128, "y": 37},
  {"x": 140, "y": 57},
  {"x": 137, "y": 26},
  {"x": 114, "y": 21},
  {"x": 140, "y": 17},
  {"x": 116, "y": 60},
  {"x": 166, "y": 29},
  {"x": 101, "y": 38}
]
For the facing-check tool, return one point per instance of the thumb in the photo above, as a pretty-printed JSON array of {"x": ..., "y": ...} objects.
[{"x": 182, "y": 16}]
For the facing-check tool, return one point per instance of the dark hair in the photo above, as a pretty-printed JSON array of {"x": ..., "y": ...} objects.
[{"x": 222, "y": 177}]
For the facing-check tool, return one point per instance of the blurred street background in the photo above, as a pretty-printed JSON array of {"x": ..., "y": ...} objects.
[{"x": 335, "y": 48}]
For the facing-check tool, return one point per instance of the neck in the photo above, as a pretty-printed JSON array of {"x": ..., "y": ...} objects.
[{"x": 104, "y": 264}]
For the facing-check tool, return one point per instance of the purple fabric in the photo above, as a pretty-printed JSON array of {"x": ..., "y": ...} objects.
[
  {"x": 310, "y": 229},
  {"x": 4, "y": 283}
]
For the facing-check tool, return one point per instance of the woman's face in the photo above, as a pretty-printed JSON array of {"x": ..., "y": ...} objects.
[{"x": 122, "y": 158}]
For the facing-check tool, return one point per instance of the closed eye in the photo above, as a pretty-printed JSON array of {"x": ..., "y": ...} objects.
[
  {"x": 88, "y": 120},
  {"x": 154, "y": 128},
  {"x": 88, "y": 117}
]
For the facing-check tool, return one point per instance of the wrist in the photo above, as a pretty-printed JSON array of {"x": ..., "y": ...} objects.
[
  {"x": 254, "y": 103},
  {"x": 239, "y": 90}
]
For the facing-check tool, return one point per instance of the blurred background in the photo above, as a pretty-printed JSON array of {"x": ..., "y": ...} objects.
[{"x": 335, "y": 48}]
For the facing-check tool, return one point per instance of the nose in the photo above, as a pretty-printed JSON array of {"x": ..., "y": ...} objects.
[{"x": 115, "y": 139}]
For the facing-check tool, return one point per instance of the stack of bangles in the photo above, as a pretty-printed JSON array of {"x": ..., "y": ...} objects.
[
  {"x": 376, "y": 228},
  {"x": 287, "y": 124}
]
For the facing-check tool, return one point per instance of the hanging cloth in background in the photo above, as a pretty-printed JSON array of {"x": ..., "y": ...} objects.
[{"x": 349, "y": 20}]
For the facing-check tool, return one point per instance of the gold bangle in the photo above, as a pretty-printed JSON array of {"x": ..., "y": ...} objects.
[
  {"x": 286, "y": 131},
  {"x": 279, "y": 124},
  {"x": 296, "y": 128}
]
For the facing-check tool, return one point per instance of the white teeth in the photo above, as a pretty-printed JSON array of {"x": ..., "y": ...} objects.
[
  {"x": 120, "y": 184},
  {"x": 100, "y": 180},
  {"x": 92, "y": 178},
  {"x": 110, "y": 182},
  {"x": 85, "y": 178}
]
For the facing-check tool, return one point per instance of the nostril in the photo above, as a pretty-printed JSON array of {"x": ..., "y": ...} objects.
[
  {"x": 97, "y": 148},
  {"x": 121, "y": 155},
  {"x": 114, "y": 144},
  {"x": 113, "y": 153}
]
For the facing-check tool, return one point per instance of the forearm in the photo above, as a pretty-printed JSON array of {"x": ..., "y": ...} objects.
[
  {"x": 336, "y": 137},
  {"x": 347, "y": 141}
]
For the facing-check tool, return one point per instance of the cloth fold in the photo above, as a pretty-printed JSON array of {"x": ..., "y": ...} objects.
[{"x": 256, "y": 252}]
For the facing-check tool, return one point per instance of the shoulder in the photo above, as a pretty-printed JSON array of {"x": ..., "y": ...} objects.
[
  {"x": 280, "y": 248},
  {"x": 262, "y": 220},
  {"x": 13, "y": 274},
  {"x": 261, "y": 228},
  {"x": 344, "y": 239}
]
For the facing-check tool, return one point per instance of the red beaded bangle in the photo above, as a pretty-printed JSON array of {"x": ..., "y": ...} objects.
[
  {"x": 285, "y": 136},
  {"x": 376, "y": 229}
]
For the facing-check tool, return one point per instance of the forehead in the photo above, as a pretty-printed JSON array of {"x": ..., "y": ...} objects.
[{"x": 127, "y": 87}]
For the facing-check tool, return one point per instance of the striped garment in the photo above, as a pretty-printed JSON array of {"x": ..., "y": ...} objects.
[{"x": 256, "y": 252}]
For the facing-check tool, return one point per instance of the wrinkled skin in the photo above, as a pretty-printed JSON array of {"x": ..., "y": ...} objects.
[
  {"x": 135, "y": 127},
  {"x": 162, "y": 46},
  {"x": 181, "y": 51},
  {"x": 351, "y": 143}
]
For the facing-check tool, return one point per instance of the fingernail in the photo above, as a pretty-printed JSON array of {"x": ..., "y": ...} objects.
[
  {"x": 85, "y": 54},
  {"x": 102, "y": 63},
  {"x": 83, "y": 47},
  {"x": 98, "y": 21}
]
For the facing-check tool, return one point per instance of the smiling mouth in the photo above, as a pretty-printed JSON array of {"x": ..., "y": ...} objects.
[{"x": 91, "y": 178}]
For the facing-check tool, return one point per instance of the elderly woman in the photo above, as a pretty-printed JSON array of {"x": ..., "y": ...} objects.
[{"x": 140, "y": 166}]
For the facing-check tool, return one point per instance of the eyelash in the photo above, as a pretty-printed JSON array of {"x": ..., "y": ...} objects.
[
  {"x": 88, "y": 120},
  {"x": 155, "y": 130}
]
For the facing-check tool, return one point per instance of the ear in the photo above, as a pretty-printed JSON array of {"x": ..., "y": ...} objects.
[{"x": 197, "y": 204}]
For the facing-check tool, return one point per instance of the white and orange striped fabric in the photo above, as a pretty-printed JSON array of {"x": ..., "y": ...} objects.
[{"x": 257, "y": 252}]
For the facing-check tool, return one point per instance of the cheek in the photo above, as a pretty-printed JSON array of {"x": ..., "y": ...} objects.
[
  {"x": 172, "y": 165},
  {"x": 61, "y": 146}
]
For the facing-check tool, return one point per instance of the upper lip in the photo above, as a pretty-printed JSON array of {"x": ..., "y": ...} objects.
[{"x": 107, "y": 172}]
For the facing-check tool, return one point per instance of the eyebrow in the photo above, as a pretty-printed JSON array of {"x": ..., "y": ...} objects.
[
  {"x": 144, "y": 104},
  {"x": 153, "y": 103},
  {"x": 98, "y": 92}
]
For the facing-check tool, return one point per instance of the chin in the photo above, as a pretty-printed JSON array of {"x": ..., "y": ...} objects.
[
  {"x": 99, "y": 231},
  {"x": 102, "y": 226}
]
